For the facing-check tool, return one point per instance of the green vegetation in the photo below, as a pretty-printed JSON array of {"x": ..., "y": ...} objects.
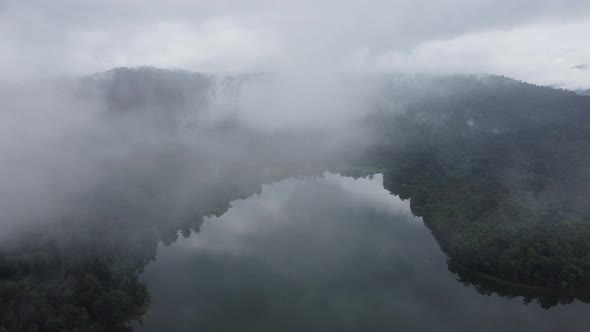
[
  {"x": 499, "y": 172},
  {"x": 545, "y": 297},
  {"x": 82, "y": 274},
  {"x": 83, "y": 279}
]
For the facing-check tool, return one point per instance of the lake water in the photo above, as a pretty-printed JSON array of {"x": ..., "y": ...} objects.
[{"x": 326, "y": 254}]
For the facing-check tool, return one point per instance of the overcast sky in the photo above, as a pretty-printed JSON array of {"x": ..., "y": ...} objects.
[{"x": 541, "y": 41}]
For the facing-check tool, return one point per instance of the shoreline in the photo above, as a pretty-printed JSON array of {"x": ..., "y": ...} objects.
[{"x": 517, "y": 289}]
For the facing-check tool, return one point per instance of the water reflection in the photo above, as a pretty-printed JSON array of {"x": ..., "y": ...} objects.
[{"x": 326, "y": 254}]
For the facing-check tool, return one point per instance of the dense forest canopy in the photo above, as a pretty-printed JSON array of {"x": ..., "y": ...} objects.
[
  {"x": 499, "y": 171},
  {"x": 497, "y": 168}
]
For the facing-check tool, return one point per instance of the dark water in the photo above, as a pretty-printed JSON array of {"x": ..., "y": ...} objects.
[{"x": 326, "y": 254}]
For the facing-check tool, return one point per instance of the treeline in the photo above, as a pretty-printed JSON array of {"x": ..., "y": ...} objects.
[
  {"x": 79, "y": 271},
  {"x": 500, "y": 172},
  {"x": 82, "y": 274},
  {"x": 498, "y": 169}
]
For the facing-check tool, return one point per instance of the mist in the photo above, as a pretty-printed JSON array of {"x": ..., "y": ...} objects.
[
  {"x": 79, "y": 143},
  {"x": 245, "y": 93},
  {"x": 292, "y": 133}
]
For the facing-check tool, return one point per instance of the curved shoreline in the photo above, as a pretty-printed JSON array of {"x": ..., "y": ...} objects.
[
  {"x": 518, "y": 289},
  {"x": 515, "y": 288}
]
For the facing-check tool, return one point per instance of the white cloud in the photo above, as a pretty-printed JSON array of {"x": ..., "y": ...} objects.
[
  {"x": 542, "y": 54},
  {"x": 210, "y": 46},
  {"x": 529, "y": 39}
]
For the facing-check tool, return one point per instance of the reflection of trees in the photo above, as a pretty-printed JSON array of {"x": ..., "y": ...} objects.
[{"x": 545, "y": 297}]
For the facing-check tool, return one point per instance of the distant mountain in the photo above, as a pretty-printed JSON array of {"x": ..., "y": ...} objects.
[
  {"x": 581, "y": 66},
  {"x": 128, "y": 89},
  {"x": 146, "y": 88},
  {"x": 161, "y": 98}
]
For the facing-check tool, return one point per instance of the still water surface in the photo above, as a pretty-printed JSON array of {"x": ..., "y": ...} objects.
[{"x": 326, "y": 254}]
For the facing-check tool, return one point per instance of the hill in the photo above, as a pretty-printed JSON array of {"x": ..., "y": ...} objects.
[{"x": 499, "y": 170}]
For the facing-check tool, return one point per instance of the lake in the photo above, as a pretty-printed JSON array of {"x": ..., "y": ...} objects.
[{"x": 329, "y": 253}]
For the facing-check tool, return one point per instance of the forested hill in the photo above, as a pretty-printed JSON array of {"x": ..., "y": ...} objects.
[
  {"x": 498, "y": 169},
  {"x": 157, "y": 171},
  {"x": 147, "y": 88},
  {"x": 161, "y": 99}
]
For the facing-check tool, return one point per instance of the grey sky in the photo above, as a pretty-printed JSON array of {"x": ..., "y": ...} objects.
[{"x": 534, "y": 40}]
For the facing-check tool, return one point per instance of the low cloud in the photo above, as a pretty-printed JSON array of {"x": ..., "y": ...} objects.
[{"x": 67, "y": 37}]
